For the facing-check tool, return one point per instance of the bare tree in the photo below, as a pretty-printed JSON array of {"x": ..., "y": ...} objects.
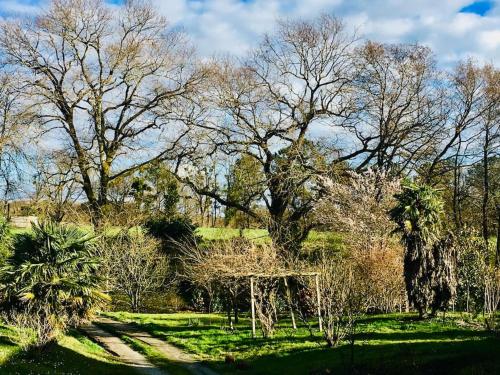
[
  {"x": 490, "y": 142},
  {"x": 341, "y": 298},
  {"x": 14, "y": 124},
  {"x": 357, "y": 208},
  {"x": 465, "y": 104},
  {"x": 56, "y": 184},
  {"x": 96, "y": 76},
  {"x": 400, "y": 109},
  {"x": 268, "y": 108},
  {"x": 135, "y": 266},
  {"x": 226, "y": 267}
]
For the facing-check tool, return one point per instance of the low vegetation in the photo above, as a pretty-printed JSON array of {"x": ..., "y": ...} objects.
[
  {"x": 383, "y": 344},
  {"x": 73, "y": 353}
]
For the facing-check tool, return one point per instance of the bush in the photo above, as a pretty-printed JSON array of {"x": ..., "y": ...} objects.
[
  {"x": 159, "y": 302},
  {"x": 343, "y": 292},
  {"x": 5, "y": 239},
  {"x": 170, "y": 231},
  {"x": 472, "y": 256},
  {"x": 135, "y": 266},
  {"x": 53, "y": 278}
]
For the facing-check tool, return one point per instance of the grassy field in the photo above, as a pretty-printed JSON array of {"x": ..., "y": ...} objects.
[
  {"x": 314, "y": 240},
  {"x": 385, "y": 344},
  {"x": 73, "y": 354}
]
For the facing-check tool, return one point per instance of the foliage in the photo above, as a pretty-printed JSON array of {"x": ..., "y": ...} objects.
[
  {"x": 418, "y": 212},
  {"x": 170, "y": 231},
  {"x": 5, "y": 240},
  {"x": 430, "y": 258},
  {"x": 245, "y": 185},
  {"x": 471, "y": 266},
  {"x": 474, "y": 182},
  {"x": 56, "y": 281},
  {"x": 156, "y": 188}
]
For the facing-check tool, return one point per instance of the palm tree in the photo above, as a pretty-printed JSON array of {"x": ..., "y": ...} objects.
[
  {"x": 429, "y": 263},
  {"x": 54, "y": 278}
]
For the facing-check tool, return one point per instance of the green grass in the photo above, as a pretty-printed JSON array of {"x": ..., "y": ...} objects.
[
  {"x": 385, "y": 344},
  {"x": 212, "y": 234},
  {"x": 315, "y": 238},
  {"x": 72, "y": 354},
  {"x": 16, "y": 231}
]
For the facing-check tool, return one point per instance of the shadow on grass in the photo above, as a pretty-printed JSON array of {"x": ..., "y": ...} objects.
[
  {"x": 479, "y": 356},
  {"x": 5, "y": 341},
  {"x": 220, "y": 337},
  {"x": 427, "y": 347},
  {"x": 391, "y": 318},
  {"x": 58, "y": 359},
  {"x": 412, "y": 335}
]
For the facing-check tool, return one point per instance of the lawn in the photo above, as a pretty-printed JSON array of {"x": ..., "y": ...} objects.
[
  {"x": 73, "y": 354},
  {"x": 385, "y": 344},
  {"x": 314, "y": 239}
]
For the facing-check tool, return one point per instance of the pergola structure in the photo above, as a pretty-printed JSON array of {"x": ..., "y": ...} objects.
[{"x": 284, "y": 275}]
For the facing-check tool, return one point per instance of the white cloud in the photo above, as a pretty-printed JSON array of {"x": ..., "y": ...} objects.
[
  {"x": 490, "y": 39},
  {"x": 235, "y": 26}
]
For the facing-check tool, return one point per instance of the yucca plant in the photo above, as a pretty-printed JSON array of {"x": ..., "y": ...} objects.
[
  {"x": 429, "y": 263},
  {"x": 418, "y": 212},
  {"x": 54, "y": 278}
]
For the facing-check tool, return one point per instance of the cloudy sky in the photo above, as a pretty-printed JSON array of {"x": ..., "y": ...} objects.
[{"x": 453, "y": 28}]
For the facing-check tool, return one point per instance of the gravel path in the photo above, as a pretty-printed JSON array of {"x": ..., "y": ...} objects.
[
  {"x": 169, "y": 351},
  {"x": 118, "y": 348}
]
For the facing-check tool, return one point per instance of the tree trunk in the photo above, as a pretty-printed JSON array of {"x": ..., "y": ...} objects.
[
  {"x": 229, "y": 315},
  {"x": 287, "y": 235},
  {"x": 456, "y": 193},
  {"x": 486, "y": 188},
  {"x": 235, "y": 308},
  {"x": 497, "y": 255},
  {"x": 290, "y": 304}
]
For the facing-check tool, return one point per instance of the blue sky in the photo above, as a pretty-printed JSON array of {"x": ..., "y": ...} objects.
[
  {"x": 479, "y": 7},
  {"x": 454, "y": 29}
]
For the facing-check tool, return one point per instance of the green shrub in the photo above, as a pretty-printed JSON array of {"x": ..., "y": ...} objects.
[
  {"x": 5, "y": 240},
  {"x": 170, "y": 231},
  {"x": 53, "y": 278}
]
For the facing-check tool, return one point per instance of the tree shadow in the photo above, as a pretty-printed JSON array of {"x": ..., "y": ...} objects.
[
  {"x": 411, "y": 335},
  {"x": 58, "y": 359},
  {"x": 478, "y": 356}
]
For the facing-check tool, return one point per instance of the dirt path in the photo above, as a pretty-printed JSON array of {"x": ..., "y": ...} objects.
[
  {"x": 117, "y": 347},
  {"x": 169, "y": 351}
]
